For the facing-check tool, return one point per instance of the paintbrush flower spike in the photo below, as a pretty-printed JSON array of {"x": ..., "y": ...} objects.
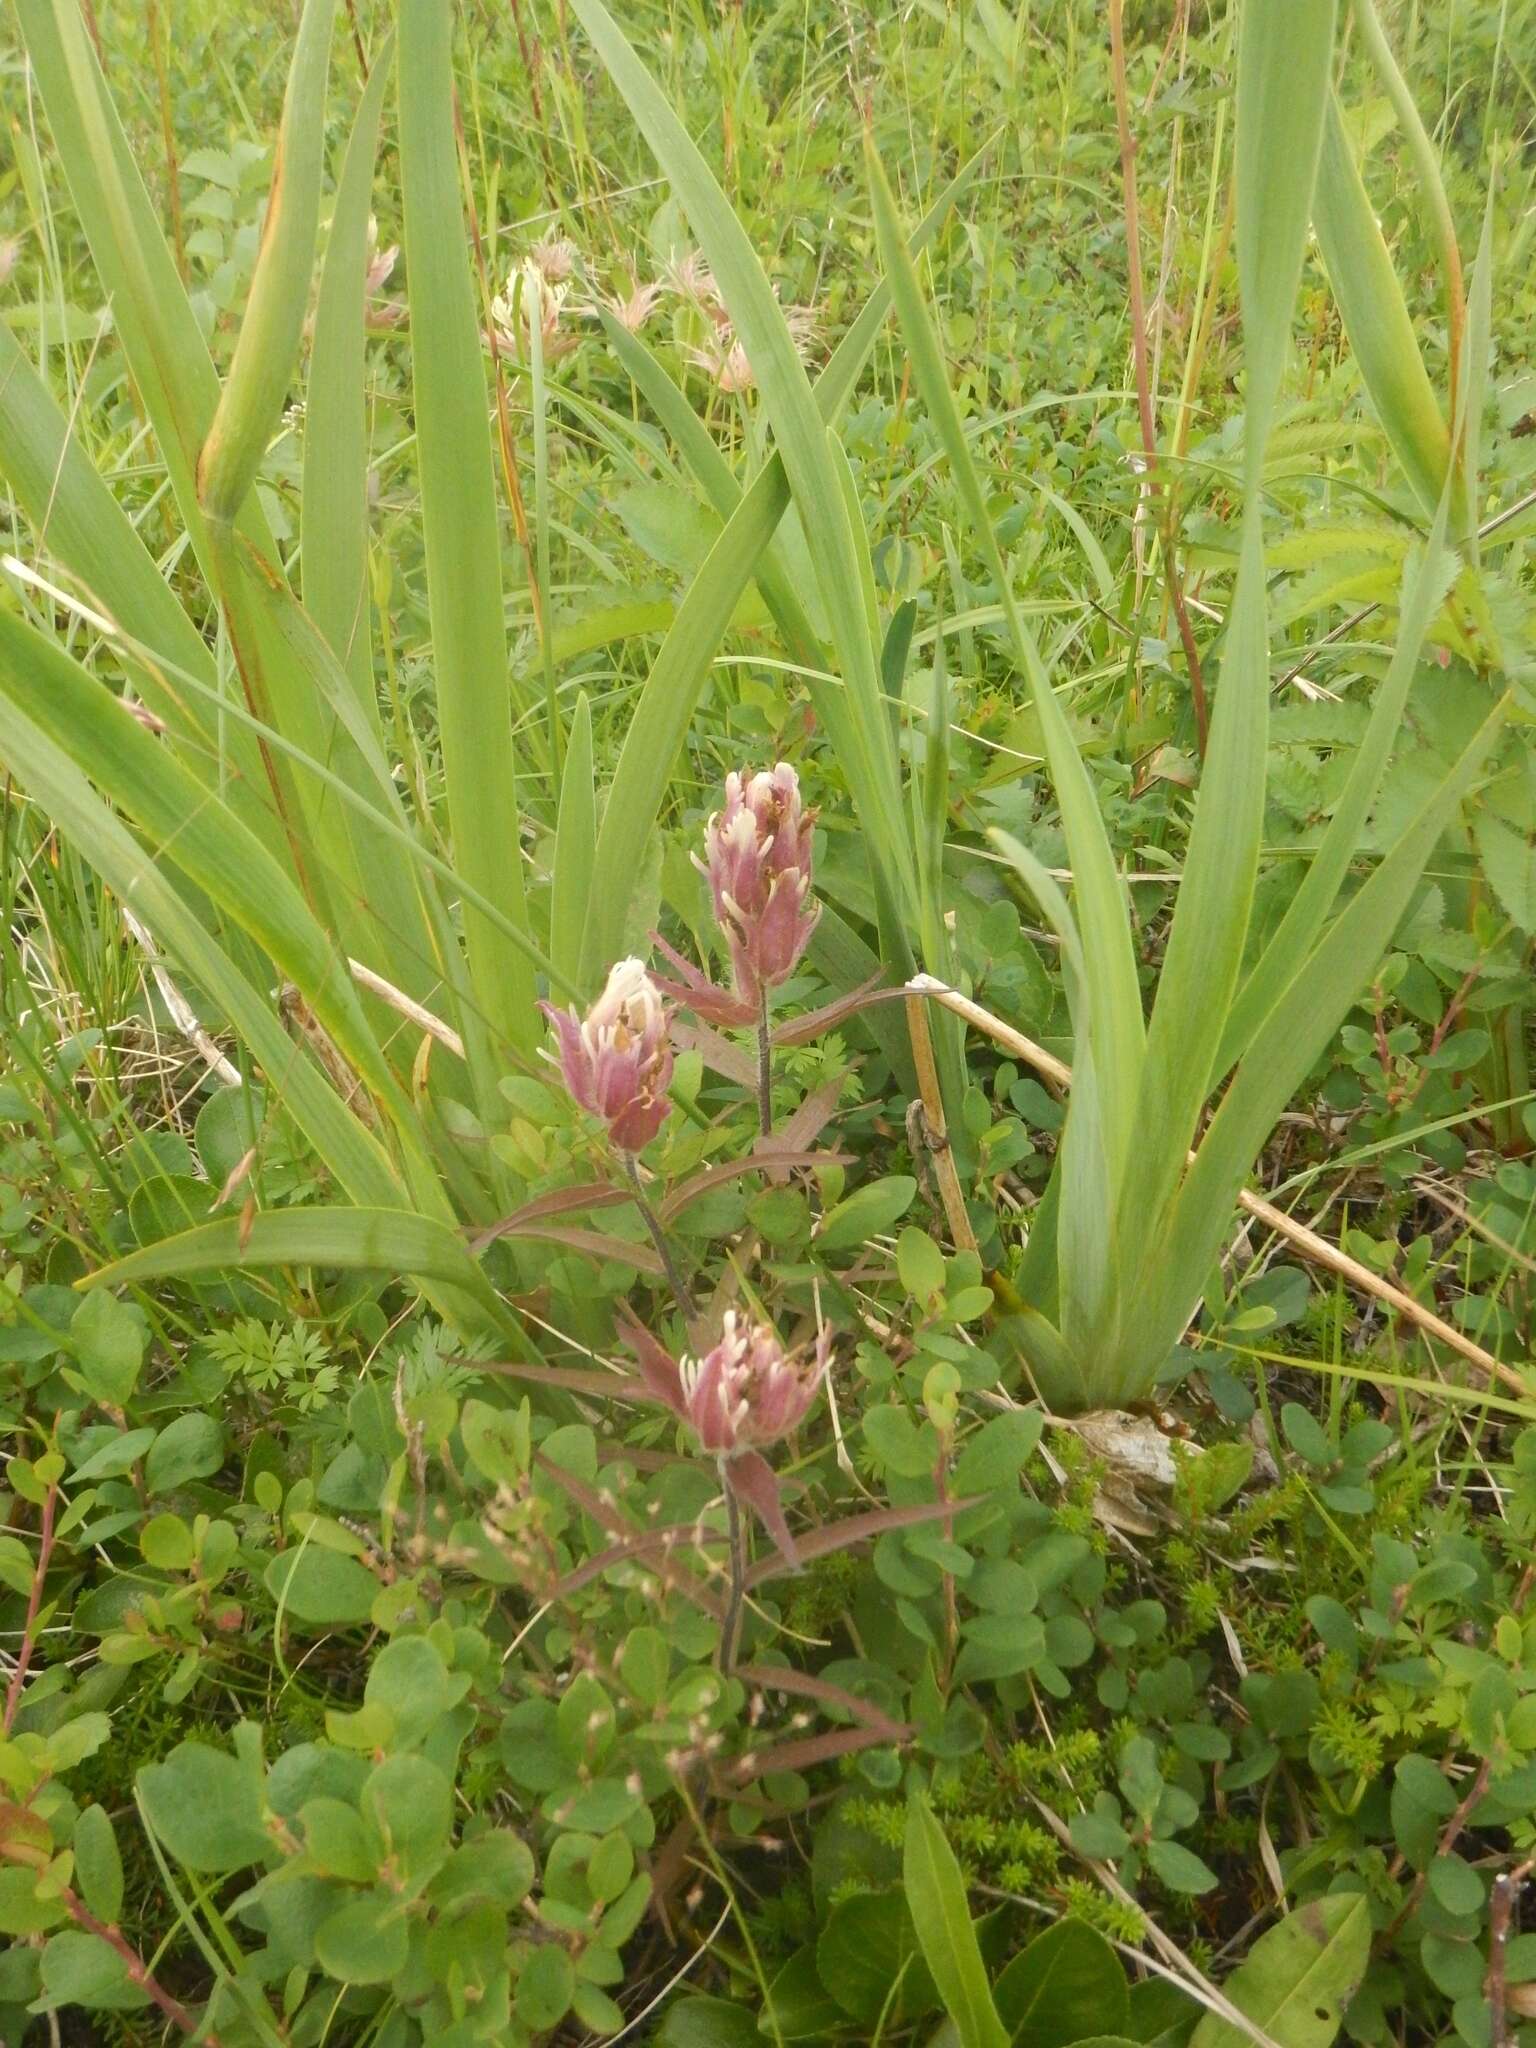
[
  {"x": 617, "y": 1060},
  {"x": 740, "y": 1395},
  {"x": 758, "y": 862}
]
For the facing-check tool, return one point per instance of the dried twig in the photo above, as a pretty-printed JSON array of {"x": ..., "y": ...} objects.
[
  {"x": 407, "y": 1006},
  {"x": 183, "y": 1016},
  {"x": 936, "y": 1131}
]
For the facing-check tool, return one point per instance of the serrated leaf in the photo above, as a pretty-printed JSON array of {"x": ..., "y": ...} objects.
[{"x": 1509, "y": 861}]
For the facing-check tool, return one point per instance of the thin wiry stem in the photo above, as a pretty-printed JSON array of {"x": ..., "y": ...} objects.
[
  {"x": 675, "y": 1280},
  {"x": 764, "y": 1068},
  {"x": 732, "y": 1623}
]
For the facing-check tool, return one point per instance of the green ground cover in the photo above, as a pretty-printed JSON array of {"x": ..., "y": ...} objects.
[{"x": 997, "y": 1514}]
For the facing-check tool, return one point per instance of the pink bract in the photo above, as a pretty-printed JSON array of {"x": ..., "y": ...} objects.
[
  {"x": 758, "y": 861},
  {"x": 617, "y": 1060}
]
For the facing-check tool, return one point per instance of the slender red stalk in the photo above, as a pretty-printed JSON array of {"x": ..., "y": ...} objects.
[{"x": 34, "y": 1605}]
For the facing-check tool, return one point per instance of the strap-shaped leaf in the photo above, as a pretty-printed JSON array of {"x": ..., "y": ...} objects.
[
  {"x": 334, "y": 499},
  {"x": 856, "y": 722},
  {"x": 1294, "y": 1035},
  {"x": 1425, "y": 585},
  {"x": 1111, "y": 993},
  {"x": 1285, "y": 51},
  {"x": 267, "y": 346},
  {"x": 475, "y": 692},
  {"x": 661, "y": 718},
  {"x": 575, "y": 847},
  {"x": 57, "y": 785},
  {"x": 1377, "y": 321},
  {"x": 172, "y": 369},
  {"x": 196, "y": 831},
  {"x": 381, "y": 1240}
]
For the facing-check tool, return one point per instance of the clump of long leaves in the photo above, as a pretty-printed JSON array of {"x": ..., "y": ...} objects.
[
  {"x": 254, "y": 822},
  {"x": 245, "y": 804},
  {"x": 1133, "y": 1218}
]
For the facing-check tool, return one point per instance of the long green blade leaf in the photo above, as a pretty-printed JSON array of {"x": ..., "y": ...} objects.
[
  {"x": 1378, "y": 323},
  {"x": 1425, "y": 586},
  {"x": 196, "y": 831},
  {"x": 857, "y": 724},
  {"x": 74, "y": 514},
  {"x": 55, "y": 783},
  {"x": 1293, "y": 1037},
  {"x": 172, "y": 369},
  {"x": 378, "y": 1240},
  {"x": 660, "y": 722},
  {"x": 936, "y": 1893},
  {"x": 463, "y": 551},
  {"x": 1284, "y": 56},
  {"x": 832, "y": 391},
  {"x": 1112, "y": 996},
  {"x": 575, "y": 847},
  {"x": 267, "y": 346},
  {"x": 334, "y": 500}
]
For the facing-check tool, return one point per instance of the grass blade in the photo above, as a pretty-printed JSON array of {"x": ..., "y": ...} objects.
[
  {"x": 1285, "y": 53},
  {"x": 1293, "y": 1036},
  {"x": 55, "y": 783},
  {"x": 1112, "y": 995},
  {"x": 1425, "y": 586},
  {"x": 1085, "y": 1233},
  {"x": 334, "y": 499},
  {"x": 463, "y": 549},
  {"x": 267, "y": 346},
  {"x": 832, "y": 390},
  {"x": 172, "y": 369},
  {"x": 196, "y": 831},
  {"x": 74, "y": 513},
  {"x": 710, "y": 467},
  {"x": 661, "y": 718},
  {"x": 1378, "y": 324},
  {"x": 1283, "y": 62},
  {"x": 575, "y": 847},
  {"x": 1432, "y": 193},
  {"x": 380, "y": 1240},
  {"x": 856, "y": 724}
]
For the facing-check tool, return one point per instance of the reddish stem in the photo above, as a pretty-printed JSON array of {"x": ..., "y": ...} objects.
[
  {"x": 34, "y": 1605},
  {"x": 138, "y": 1970}
]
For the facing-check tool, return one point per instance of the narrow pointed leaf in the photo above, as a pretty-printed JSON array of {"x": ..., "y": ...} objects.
[
  {"x": 1292, "y": 1038},
  {"x": 54, "y": 782},
  {"x": 334, "y": 499},
  {"x": 1285, "y": 53},
  {"x": 1425, "y": 586},
  {"x": 1284, "y": 56},
  {"x": 1112, "y": 996},
  {"x": 371, "y": 1240},
  {"x": 660, "y": 722},
  {"x": 941, "y": 1914},
  {"x": 856, "y": 721},
  {"x": 1377, "y": 321},
  {"x": 172, "y": 369},
  {"x": 267, "y": 346},
  {"x": 575, "y": 847},
  {"x": 196, "y": 831},
  {"x": 463, "y": 550}
]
